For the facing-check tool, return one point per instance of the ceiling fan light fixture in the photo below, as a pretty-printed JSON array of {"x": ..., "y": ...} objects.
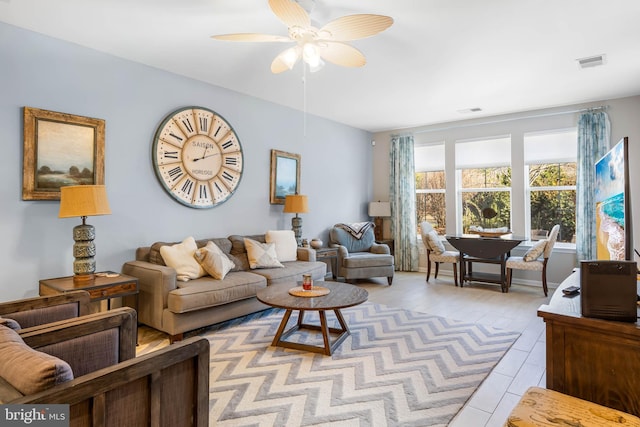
[
  {"x": 311, "y": 54},
  {"x": 290, "y": 56},
  {"x": 319, "y": 66}
]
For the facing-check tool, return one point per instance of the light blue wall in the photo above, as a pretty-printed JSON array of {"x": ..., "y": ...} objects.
[{"x": 42, "y": 72}]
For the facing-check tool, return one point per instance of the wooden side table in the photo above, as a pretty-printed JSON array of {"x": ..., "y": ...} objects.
[
  {"x": 388, "y": 242},
  {"x": 100, "y": 288},
  {"x": 330, "y": 257}
]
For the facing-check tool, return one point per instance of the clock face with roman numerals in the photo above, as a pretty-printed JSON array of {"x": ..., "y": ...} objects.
[{"x": 197, "y": 157}]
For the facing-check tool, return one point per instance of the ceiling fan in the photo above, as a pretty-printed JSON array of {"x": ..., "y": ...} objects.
[{"x": 315, "y": 44}]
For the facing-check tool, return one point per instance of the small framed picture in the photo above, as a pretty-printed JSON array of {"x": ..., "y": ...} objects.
[
  {"x": 285, "y": 175},
  {"x": 60, "y": 149}
]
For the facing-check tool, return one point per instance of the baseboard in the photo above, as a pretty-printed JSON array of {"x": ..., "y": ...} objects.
[{"x": 514, "y": 281}]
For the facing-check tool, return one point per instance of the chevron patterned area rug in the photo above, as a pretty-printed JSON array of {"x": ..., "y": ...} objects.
[{"x": 398, "y": 368}]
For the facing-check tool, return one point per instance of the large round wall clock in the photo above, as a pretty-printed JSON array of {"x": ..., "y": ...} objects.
[{"x": 197, "y": 157}]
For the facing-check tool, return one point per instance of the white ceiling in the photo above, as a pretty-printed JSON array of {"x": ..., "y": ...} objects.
[{"x": 439, "y": 57}]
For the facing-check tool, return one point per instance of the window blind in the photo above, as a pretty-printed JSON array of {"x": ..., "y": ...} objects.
[
  {"x": 557, "y": 146},
  {"x": 483, "y": 153},
  {"x": 429, "y": 158}
]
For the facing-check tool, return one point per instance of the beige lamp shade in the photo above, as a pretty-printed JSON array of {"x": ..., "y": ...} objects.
[
  {"x": 83, "y": 200},
  {"x": 382, "y": 209},
  {"x": 295, "y": 203}
]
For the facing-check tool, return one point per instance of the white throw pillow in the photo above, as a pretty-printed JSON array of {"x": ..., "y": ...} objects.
[
  {"x": 535, "y": 251},
  {"x": 286, "y": 245},
  {"x": 180, "y": 257},
  {"x": 435, "y": 243},
  {"x": 214, "y": 261},
  {"x": 261, "y": 255}
]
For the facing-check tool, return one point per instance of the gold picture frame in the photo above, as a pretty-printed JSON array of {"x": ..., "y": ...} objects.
[
  {"x": 285, "y": 176},
  {"x": 60, "y": 149}
]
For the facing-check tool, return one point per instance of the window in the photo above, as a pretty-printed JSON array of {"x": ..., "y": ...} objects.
[
  {"x": 550, "y": 168},
  {"x": 483, "y": 174},
  {"x": 430, "y": 186}
]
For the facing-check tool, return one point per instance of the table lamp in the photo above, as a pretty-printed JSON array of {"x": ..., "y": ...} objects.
[
  {"x": 83, "y": 201},
  {"x": 297, "y": 204},
  {"x": 378, "y": 210}
]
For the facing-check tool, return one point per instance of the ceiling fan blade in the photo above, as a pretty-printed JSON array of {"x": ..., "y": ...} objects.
[
  {"x": 291, "y": 13},
  {"x": 341, "y": 54},
  {"x": 354, "y": 27},
  {"x": 251, "y": 37}
]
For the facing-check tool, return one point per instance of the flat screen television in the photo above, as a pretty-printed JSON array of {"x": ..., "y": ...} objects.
[{"x": 614, "y": 237}]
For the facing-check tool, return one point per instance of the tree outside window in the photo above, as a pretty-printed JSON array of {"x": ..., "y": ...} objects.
[
  {"x": 552, "y": 197},
  {"x": 486, "y": 197},
  {"x": 430, "y": 185},
  {"x": 550, "y": 165},
  {"x": 430, "y": 199}
]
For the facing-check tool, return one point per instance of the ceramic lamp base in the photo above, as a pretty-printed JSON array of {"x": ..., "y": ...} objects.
[
  {"x": 84, "y": 250},
  {"x": 296, "y": 226}
]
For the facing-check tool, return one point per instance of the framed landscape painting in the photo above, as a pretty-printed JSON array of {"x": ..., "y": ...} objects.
[
  {"x": 285, "y": 176},
  {"x": 59, "y": 150}
]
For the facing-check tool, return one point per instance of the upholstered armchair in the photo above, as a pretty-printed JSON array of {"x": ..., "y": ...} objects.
[
  {"x": 359, "y": 256},
  {"x": 535, "y": 259},
  {"x": 37, "y": 311},
  {"x": 89, "y": 363},
  {"x": 436, "y": 252}
]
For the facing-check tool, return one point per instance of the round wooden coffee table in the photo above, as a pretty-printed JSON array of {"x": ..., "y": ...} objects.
[{"x": 340, "y": 296}]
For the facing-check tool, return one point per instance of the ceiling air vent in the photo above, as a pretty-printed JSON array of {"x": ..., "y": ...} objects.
[
  {"x": 592, "y": 61},
  {"x": 470, "y": 110}
]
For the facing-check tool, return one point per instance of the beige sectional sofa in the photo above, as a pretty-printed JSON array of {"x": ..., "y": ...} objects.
[{"x": 175, "y": 307}]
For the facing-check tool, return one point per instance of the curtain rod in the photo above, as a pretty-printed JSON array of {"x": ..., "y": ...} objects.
[{"x": 511, "y": 119}]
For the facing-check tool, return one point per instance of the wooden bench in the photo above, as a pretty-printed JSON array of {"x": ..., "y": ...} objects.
[{"x": 548, "y": 408}]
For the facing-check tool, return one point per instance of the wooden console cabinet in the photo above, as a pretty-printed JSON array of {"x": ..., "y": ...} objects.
[{"x": 593, "y": 359}]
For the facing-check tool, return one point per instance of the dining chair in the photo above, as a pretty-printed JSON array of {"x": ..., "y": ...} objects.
[
  {"x": 436, "y": 251},
  {"x": 531, "y": 259}
]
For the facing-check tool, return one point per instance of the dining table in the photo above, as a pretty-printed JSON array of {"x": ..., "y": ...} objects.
[{"x": 476, "y": 248}]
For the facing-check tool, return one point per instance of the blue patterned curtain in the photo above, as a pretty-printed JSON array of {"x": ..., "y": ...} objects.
[
  {"x": 593, "y": 142},
  {"x": 402, "y": 197}
]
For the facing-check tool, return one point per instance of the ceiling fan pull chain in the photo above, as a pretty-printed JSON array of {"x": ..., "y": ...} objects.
[{"x": 304, "y": 99}]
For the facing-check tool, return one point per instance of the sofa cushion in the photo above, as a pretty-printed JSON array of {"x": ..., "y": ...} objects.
[
  {"x": 26, "y": 369},
  {"x": 155, "y": 257},
  {"x": 365, "y": 260},
  {"x": 208, "y": 292},
  {"x": 286, "y": 245},
  {"x": 181, "y": 258},
  {"x": 214, "y": 261},
  {"x": 8, "y": 393},
  {"x": 239, "y": 251},
  {"x": 293, "y": 272},
  {"x": 261, "y": 255}
]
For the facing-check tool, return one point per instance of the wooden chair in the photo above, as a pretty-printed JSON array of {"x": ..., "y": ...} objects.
[
  {"x": 36, "y": 311},
  {"x": 166, "y": 387},
  {"x": 436, "y": 252},
  {"x": 531, "y": 260}
]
